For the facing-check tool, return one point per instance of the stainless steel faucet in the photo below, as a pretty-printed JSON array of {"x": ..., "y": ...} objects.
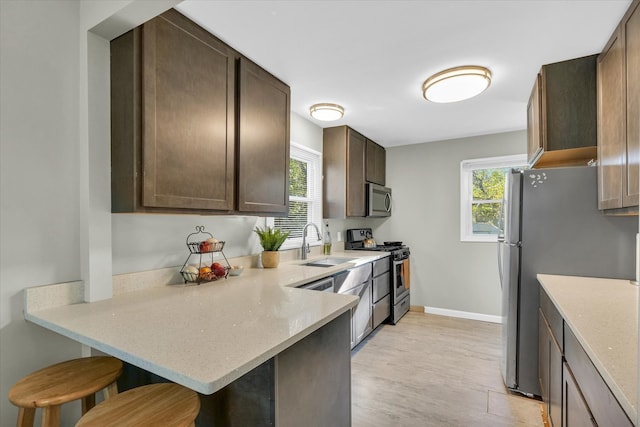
[{"x": 305, "y": 246}]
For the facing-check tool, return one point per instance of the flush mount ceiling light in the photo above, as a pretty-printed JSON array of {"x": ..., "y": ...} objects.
[
  {"x": 326, "y": 112},
  {"x": 456, "y": 84}
]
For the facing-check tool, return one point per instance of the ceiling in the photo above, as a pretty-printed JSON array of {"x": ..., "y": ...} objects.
[{"x": 372, "y": 57}]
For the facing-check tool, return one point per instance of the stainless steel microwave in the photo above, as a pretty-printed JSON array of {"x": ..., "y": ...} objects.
[{"x": 378, "y": 200}]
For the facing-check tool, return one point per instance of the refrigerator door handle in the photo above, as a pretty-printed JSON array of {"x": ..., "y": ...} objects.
[{"x": 500, "y": 242}]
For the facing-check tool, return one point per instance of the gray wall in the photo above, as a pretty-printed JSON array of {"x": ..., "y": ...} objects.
[
  {"x": 39, "y": 217},
  {"x": 425, "y": 178}
]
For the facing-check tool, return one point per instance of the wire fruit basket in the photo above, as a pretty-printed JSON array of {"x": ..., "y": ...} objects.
[{"x": 200, "y": 266}]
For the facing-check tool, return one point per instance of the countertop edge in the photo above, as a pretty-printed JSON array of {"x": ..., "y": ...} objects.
[{"x": 204, "y": 388}]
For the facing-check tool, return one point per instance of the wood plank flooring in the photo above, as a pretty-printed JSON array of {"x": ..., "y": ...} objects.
[{"x": 431, "y": 370}]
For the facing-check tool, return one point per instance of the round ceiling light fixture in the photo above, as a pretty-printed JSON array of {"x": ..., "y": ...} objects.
[
  {"x": 456, "y": 84},
  {"x": 326, "y": 112}
]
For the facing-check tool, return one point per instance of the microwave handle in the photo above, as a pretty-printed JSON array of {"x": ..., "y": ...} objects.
[{"x": 387, "y": 202}]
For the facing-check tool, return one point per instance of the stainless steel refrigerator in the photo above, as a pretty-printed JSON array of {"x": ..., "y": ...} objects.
[{"x": 552, "y": 225}]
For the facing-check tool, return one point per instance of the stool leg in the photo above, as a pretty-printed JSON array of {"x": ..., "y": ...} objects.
[
  {"x": 88, "y": 402},
  {"x": 51, "y": 416},
  {"x": 111, "y": 390},
  {"x": 26, "y": 417}
]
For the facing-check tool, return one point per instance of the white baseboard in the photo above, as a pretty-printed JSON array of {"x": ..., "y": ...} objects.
[{"x": 463, "y": 314}]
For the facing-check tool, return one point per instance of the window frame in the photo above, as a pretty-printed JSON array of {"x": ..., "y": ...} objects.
[
  {"x": 467, "y": 167},
  {"x": 314, "y": 192}
]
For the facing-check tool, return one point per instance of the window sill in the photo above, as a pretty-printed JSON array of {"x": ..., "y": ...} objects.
[{"x": 479, "y": 239}]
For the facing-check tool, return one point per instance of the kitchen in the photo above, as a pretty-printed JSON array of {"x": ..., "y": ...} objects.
[{"x": 136, "y": 240}]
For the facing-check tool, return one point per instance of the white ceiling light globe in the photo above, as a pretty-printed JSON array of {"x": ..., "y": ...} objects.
[{"x": 456, "y": 84}]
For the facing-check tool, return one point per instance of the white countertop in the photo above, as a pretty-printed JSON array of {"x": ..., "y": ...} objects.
[
  {"x": 205, "y": 337},
  {"x": 603, "y": 315}
]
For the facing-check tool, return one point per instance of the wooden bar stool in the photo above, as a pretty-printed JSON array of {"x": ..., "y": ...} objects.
[
  {"x": 50, "y": 387},
  {"x": 163, "y": 404}
]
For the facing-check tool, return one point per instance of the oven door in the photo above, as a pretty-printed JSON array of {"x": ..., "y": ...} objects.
[{"x": 401, "y": 280}]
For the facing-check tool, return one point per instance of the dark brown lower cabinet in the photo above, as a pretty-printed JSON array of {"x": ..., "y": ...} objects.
[
  {"x": 573, "y": 391},
  {"x": 596, "y": 393},
  {"x": 550, "y": 372},
  {"x": 574, "y": 409}
]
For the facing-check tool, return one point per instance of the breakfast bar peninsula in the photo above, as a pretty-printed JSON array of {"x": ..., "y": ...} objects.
[{"x": 258, "y": 350}]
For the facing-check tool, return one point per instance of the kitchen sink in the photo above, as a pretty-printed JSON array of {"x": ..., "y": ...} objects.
[{"x": 328, "y": 262}]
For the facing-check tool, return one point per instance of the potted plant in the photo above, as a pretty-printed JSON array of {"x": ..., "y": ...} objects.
[{"x": 271, "y": 239}]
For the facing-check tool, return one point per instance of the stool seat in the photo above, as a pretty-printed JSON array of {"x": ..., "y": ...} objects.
[
  {"x": 64, "y": 382},
  {"x": 163, "y": 404}
]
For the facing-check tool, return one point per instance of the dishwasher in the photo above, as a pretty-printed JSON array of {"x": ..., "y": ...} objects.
[
  {"x": 357, "y": 281},
  {"x": 322, "y": 285}
]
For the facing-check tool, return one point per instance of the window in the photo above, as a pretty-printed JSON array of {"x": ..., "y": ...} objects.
[
  {"x": 481, "y": 190},
  {"x": 305, "y": 196}
]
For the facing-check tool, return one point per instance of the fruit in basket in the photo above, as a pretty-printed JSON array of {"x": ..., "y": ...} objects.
[
  {"x": 190, "y": 269},
  {"x": 212, "y": 240},
  {"x": 191, "y": 273},
  {"x": 220, "y": 271},
  {"x": 205, "y": 272},
  {"x": 216, "y": 265},
  {"x": 205, "y": 246}
]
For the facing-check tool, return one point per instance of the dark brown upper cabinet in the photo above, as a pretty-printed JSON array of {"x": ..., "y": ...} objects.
[
  {"x": 263, "y": 141},
  {"x": 180, "y": 98},
  {"x": 561, "y": 114},
  {"x": 376, "y": 163},
  {"x": 618, "y": 112},
  {"x": 343, "y": 167}
]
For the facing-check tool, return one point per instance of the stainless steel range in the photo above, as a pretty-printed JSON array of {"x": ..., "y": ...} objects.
[{"x": 362, "y": 239}]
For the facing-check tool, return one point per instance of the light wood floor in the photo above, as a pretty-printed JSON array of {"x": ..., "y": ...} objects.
[{"x": 433, "y": 370}]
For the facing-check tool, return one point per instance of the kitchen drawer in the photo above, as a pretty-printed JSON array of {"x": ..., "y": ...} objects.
[
  {"x": 381, "y": 286},
  {"x": 381, "y": 266},
  {"x": 603, "y": 405},
  {"x": 381, "y": 311},
  {"x": 552, "y": 316}
]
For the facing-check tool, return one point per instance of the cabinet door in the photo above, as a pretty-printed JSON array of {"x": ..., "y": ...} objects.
[
  {"x": 534, "y": 134},
  {"x": 632, "y": 48},
  {"x": 575, "y": 412},
  {"x": 263, "y": 141},
  {"x": 550, "y": 371},
  {"x": 555, "y": 383},
  {"x": 376, "y": 163},
  {"x": 543, "y": 359},
  {"x": 611, "y": 129},
  {"x": 356, "y": 190},
  {"x": 569, "y": 104},
  {"x": 187, "y": 115}
]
